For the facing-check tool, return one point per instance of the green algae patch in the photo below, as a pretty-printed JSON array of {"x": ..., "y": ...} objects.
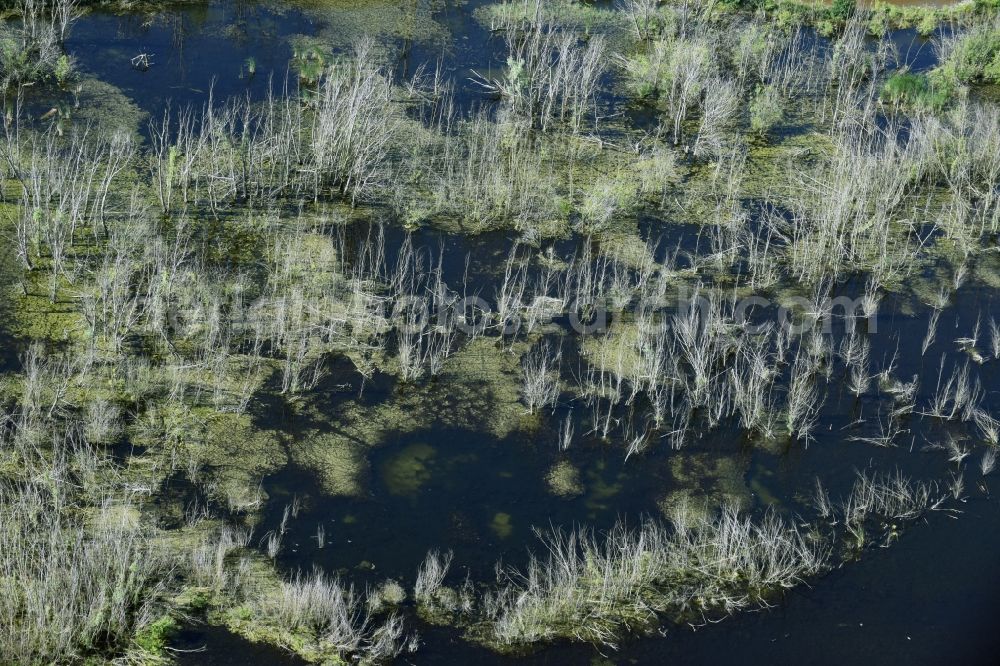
[
  {"x": 706, "y": 481},
  {"x": 36, "y": 317},
  {"x": 763, "y": 492},
  {"x": 563, "y": 480},
  {"x": 602, "y": 487},
  {"x": 620, "y": 353},
  {"x": 769, "y": 164},
  {"x": 343, "y": 23},
  {"x": 627, "y": 248},
  {"x": 987, "y": 270},
  {"x": 478, "y": 388},
  {"x": 501, "y": 525},
  {"x": 103, "y": 107},
  {"x": 567, "y": 14},
  {"x": 237, "y": 454},
  {"x": 340, "y": 466},
  {"x": 486, "y": 383},
  {"x": 409, "y": 470},
  {"x": 240, "y": 456}
]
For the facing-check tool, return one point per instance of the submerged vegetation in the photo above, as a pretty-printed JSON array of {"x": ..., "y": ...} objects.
[{"x": 271, "y": 282}]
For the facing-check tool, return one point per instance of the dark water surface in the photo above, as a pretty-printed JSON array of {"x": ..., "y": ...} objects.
[{"x": 193, "y": 50}]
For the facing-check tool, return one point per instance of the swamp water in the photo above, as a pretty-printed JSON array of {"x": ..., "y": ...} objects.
[
  {"x": 471, "y": 473},
  {"x": 928, "y": 598}
]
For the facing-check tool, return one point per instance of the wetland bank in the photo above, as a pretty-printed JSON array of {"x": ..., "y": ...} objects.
[{"x": 340, "y": 331}]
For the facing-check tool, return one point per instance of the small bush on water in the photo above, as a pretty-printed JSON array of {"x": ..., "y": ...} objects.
[
  {"x": 916, "y": 91},
  {"x": 973, "y": 56},
  {"x": 154, "y": 638},
  {"x": 843, "y": 9},
  {"x": 766, "y": 110},
  {"x": 31, "y": 47}
]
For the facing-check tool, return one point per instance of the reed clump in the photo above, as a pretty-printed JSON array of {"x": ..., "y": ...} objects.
[{"x": 591, "y": 588}]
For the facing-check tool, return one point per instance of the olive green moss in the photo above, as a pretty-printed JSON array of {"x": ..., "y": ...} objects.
[
  {"x": 502, "y": 525},
  {"x": 410, "y": 469},
  {"x": 234, "y": 453},
  {"x": 342, "y": 23},
  {"x": 563, "y": 480},
  {"x": 339, "y": 465},
  {"x": 706, "y": 481}
]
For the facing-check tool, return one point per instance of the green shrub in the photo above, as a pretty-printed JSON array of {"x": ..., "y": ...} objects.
[
  {"x": 766, "y": 110},
  {"x": 975, "y": 56},
  {"x": 826, "y": 28},
  {"x": 843, "y": 9},
  {"x": 916, "y": 91},
  {"x": 153, "y": 637},
  {"x": 878, "y": 24},
  {"x": 63, "y": 70},
  {"x": 927, "y": 24}
]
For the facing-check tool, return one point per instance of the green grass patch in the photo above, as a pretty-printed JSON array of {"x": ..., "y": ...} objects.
[{"x": 916, "y": 91}]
